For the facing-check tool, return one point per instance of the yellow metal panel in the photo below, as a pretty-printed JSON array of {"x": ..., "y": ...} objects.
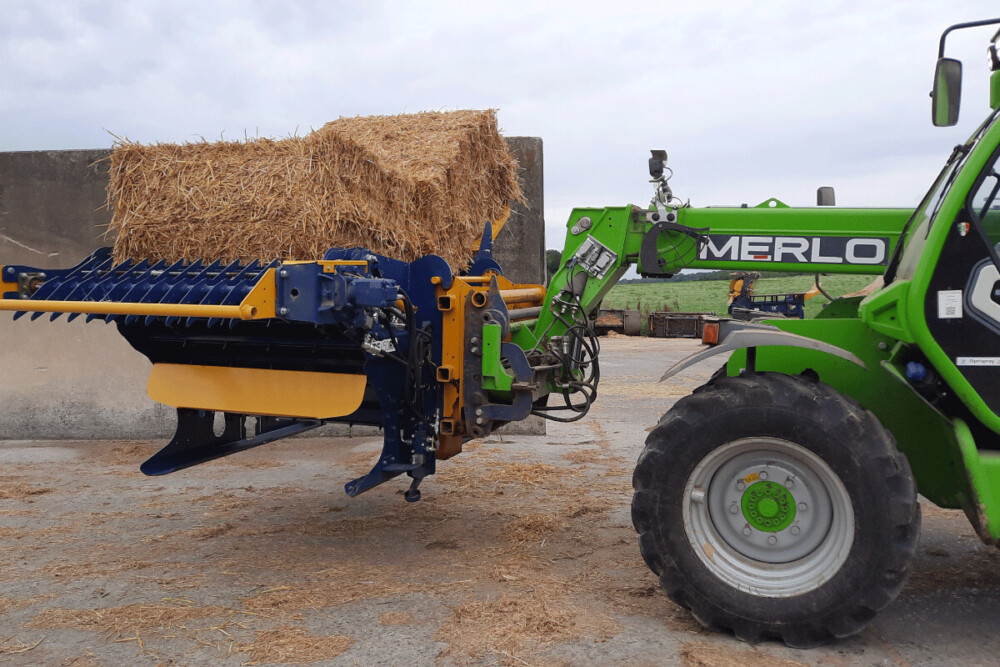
[
  {"x": 259, "y": 303},
  {"x": 501, "y": 221},
  {"x": 257, "y": 391}
]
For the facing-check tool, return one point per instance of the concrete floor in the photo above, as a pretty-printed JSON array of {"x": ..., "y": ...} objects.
[{"x": 521, "y": 552}]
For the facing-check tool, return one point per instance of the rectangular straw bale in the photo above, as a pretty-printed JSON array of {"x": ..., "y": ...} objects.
[{"x": 403, "y": 186}]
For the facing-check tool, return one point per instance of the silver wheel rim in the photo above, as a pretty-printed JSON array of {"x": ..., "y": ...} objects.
[{"x": 768, "y": 561}]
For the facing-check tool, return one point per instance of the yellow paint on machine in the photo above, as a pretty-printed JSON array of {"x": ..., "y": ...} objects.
[{"x": 257, "y": 391}]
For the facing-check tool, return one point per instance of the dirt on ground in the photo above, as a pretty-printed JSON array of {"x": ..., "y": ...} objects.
[{"x": 520, "y": 552}]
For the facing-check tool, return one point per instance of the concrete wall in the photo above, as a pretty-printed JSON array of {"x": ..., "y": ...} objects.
[
  {"x": 75, "y": 380},
  {"x": 520, "y": 246}
]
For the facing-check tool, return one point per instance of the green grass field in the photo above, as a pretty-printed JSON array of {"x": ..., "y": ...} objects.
[{"x": 710, "y": 295}]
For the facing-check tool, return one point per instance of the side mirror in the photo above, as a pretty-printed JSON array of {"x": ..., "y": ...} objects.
[{"x": 947, "y": 92}]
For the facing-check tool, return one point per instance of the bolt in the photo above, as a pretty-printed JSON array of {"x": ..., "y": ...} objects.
[
  {"x": 479, "y": 420},
  {"x": 796, "y": 530},
  {"x": 747, "y": 531},
  {"x": 763, "y": 475},
  {"x": 479, "y": 412},
  {"x": 772, "y": 540},
  {"x": 283, "y": 273},
  {"x": 282, "y": 311},
  {"x": 803, "y": 507},
  {"x": 474, "y": 340},
  {"x": 475, "y": 350}
]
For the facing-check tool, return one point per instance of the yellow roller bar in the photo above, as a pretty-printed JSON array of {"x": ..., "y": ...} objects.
[
  {"x": 257, "y": 305},
  {"x": 522, "y": 294},
  {"x": 257, "y": 391}
]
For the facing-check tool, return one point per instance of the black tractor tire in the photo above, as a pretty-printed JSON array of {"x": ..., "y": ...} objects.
[{"x": 817, "y": 444}]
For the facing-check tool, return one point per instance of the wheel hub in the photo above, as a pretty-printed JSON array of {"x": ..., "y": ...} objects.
[
  {"x": 768, "y": 514},
  {"x": 768, "y": 506}
]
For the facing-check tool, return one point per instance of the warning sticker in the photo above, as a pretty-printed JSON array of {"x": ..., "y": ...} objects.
[
  {"x": 949, "y": 304},
  {"x": 752, "y": 477},
  {"x": 977, "y": 361}
]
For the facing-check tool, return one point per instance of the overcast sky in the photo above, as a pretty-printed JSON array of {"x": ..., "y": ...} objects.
[{"x": 750, "y": 99}]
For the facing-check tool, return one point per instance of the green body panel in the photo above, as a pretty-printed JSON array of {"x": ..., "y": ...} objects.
[
  {"x": 885, "y": 311},
  {"x": 904, "y": 299},
  {"x": 921, "y": 432},
  {"x": 789, "y": 223},
  {"x": 995, "y": 90},
  {"x": 842, "y": 307},
  {"x": 495, "y": 378},
  {"x": 983, "y": 472}
]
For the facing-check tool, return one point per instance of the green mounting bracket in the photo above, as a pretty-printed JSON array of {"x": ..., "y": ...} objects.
[{"x": 495, "y": 378}]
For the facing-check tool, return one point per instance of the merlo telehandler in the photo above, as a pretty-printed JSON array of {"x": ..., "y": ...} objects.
[{"x": 778, "y": 500}]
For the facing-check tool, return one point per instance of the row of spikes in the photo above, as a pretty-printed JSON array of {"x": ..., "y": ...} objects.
[{"x": 97, "y": 279}]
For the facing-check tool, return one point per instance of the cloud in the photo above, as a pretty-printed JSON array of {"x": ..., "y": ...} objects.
[{"x": 751, "y": 99}]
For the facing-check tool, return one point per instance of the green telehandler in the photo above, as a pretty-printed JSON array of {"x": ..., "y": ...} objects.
[{"x": 779, "y": 500}]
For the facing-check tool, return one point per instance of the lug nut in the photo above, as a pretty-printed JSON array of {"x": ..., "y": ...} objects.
[
  {"x": 763, "y": 474},
  {"x": 796, "y": 530},
  {"x": 747, "y": 531},
  {"x": 803, "y": 507},
  {"x": 740, "y": 485},
  {"x": 734, "y": 508},
  {"x": 772, "y": 540}
]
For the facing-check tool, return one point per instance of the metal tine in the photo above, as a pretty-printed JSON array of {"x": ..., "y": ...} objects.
[
  {"x": 97, "y": 289},
  {"x": 143, "y": 285},
  {"x": 117, "y": 276},
  {"x": 272, "y": 264},
  {"x": 181, "y": 291},
  {"x": 131, "y": 287},
  {"x": 70, "y": 285},
  {"x": 199, "y": 286},
  {"x": 200, "y": 290},
  {"x": 138, "y": 286},
  {"x": 163, "y": 284},
  {"x": 125, "y": 282},
  {"x": 117, "y": 280},
  {"x": 223, "y": 291},
  {"x": 62, "y": 281}
]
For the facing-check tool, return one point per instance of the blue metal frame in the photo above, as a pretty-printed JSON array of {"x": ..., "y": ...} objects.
[{"x": 332, "y": 310}]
